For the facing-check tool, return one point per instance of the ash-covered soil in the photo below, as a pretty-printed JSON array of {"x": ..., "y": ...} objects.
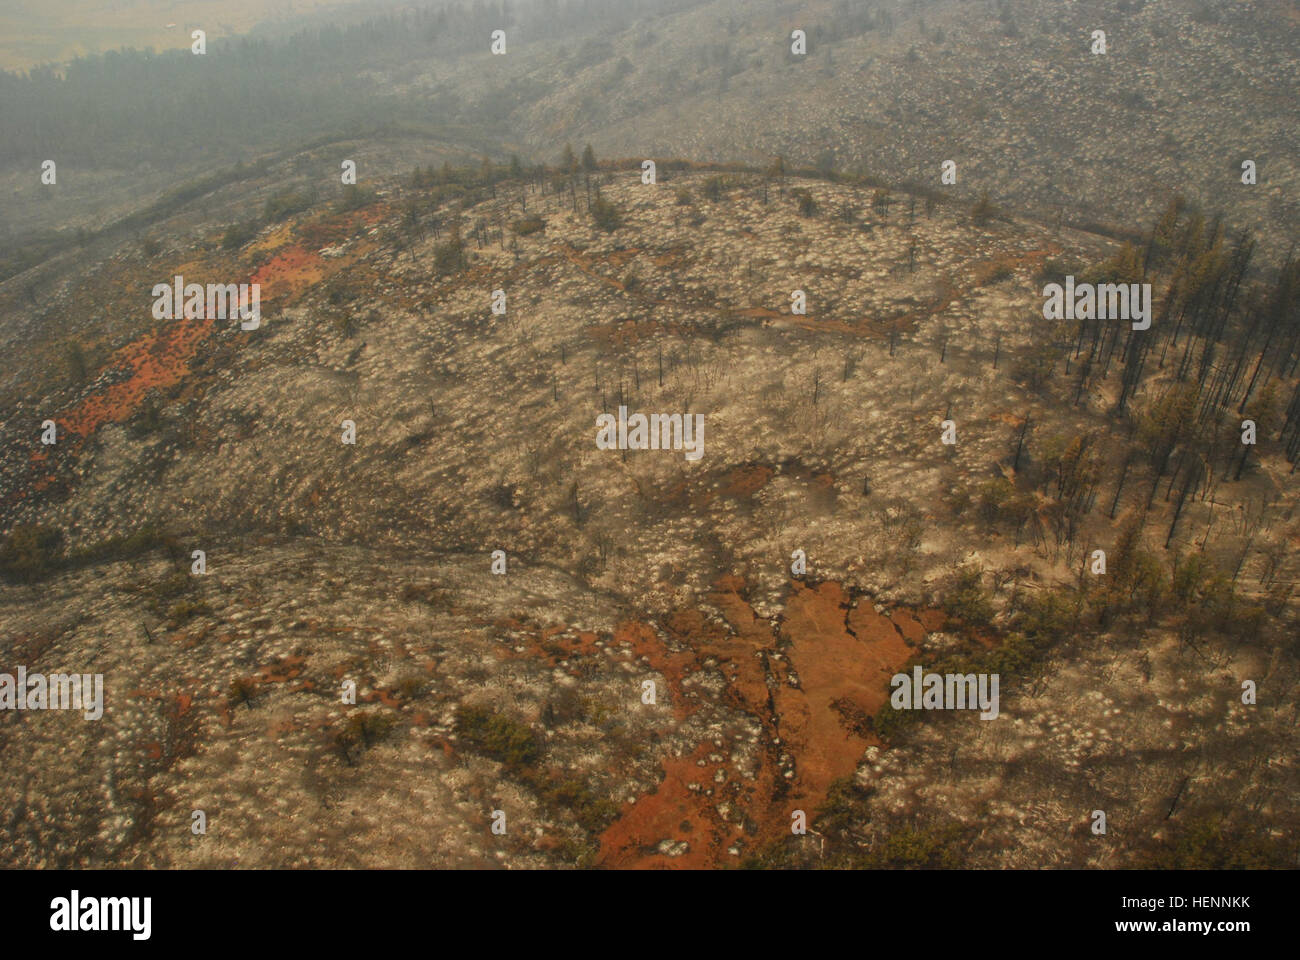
[{"x": 524, "y": 692}]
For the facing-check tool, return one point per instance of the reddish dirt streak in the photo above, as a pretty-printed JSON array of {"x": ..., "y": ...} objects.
[{"x": 842, "y": 655}]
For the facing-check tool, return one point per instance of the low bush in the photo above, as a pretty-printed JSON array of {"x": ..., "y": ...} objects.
[
  {"x": 528, "y": 225},
  {"x": 497, "y": 736},
  {"x": 31, "y": 552},
  {"x": 605, "y": 215}
]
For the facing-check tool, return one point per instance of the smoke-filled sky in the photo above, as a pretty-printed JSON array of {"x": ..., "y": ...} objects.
[{"x": 43, "y": 31}]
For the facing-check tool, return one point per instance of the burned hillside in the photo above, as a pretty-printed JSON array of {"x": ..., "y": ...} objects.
[{"x": 395, "y": 481}]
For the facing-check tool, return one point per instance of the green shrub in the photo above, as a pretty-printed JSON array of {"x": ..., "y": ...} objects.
[
  {"x": 1055, "y": 270},
  {"x": 242, "y": 690},
  {"x": 78, "y": 368},
  {"x": 889, "y": 723},
  {"x": 429, "y": 594},
  {"x": 579, "y": 853},
  {"x": 409, "y": 687},
  {"x": 967, "y": 600},
  {"x": 448, "y": 257},
  {"x": 354, "y": 198},
  {"x": 185, "y": 610},
  {"x": 983, "y": 211},
  {"x": 367, "y": 727},
  {"x": 148, "y": 421},
  {"x": 843, "y": 807},
  {"x": 528, "y": 225},
  {"x": 805, "y": 203},
  {"x": 605, "y": 215},
  {"x": 1213, "y": 843},
  {"x": 129, "y": 547},
  {"x": 30, "y": 553},
  {"x": 1010, "y": 659},
  {"x": 497, "y": 736},
  {"x": 362, "y": 730},
  {"x": 238, "y": 234},
  {"x": 285, "y": 203},
  {"x": 995, "y": 273},
  {"x": 713, "y": 188},
  {"x": 995, "y": 498},
  {"x": 783, "y": 854},
  {"x": 1046, "y": 619},
  {"x": 592, "y": 811},
  {"x": 161, "y": 595},
  {"x": 926, "y": 848}
]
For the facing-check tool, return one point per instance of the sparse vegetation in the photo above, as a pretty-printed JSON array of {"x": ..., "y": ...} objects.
[
  {"x": 967, "y": 600},
  {"x": 497, "y": 736},
  {"x": 31, "y": 552},
  {"x": 528, "y": 225},
  {"x": 605, "y": 215},
  {"x": 361, "y": 731},
  {"x": 983, "y": 211},
  {"x": 354, "y": 197},
  {"x": 1075, "y": 435},
  {"x": 804, "y": 202},
  {"x": 1217, "y": 842},
  {"x": 286, "y": 203},
  {"x": 238, "y": 234},
  {"x": 242, "y": 691}
]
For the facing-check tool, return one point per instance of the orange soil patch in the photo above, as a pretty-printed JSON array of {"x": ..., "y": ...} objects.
[
  {"x": 620, "y": 258},
  {"x": 728, "y": 596},
  {"x": 162, "y": 359},
  {"x": 342, "y": 226},
  {"x": 833, "y": 666},
  {"x": 1004, "y": 416},
  {"x": 290, "y": 271},
  {"x": 674, "y": 665},
  {"x": 157, "y": 360},
  {"x": 932, "y": 619},
  {"x": 281, "y": 670},
  {"x": 551, "y": 646},
  {"x": 742, "y": 482},
  {"x": 628, "y": 333},
  {"x": 674, "y": 812},
  {"x": 910, "y": 627},
  {"x": 842, "y": 656}
]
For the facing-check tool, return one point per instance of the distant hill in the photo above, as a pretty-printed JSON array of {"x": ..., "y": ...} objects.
[
  {"x": 1010, "y": 91},
  {"x": 34, "y": 32}
]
